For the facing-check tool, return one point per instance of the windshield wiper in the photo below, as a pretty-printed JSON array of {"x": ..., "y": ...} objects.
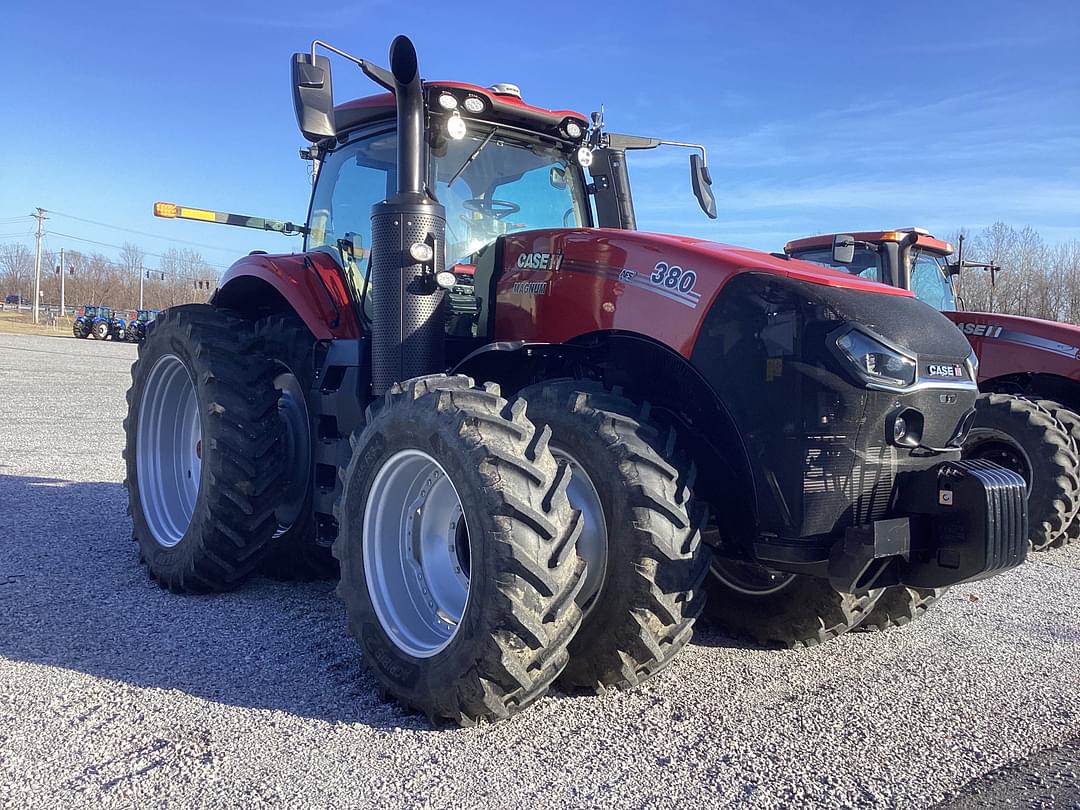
[{"x": 470, "y": 158}]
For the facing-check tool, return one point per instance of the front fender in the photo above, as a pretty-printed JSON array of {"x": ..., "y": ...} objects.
[{"x": 311, "y": 284}]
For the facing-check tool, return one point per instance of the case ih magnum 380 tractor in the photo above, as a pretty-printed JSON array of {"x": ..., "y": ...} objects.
[
  {"x": 511, "y": 414},
  {"x": 1029, "y": 373}
]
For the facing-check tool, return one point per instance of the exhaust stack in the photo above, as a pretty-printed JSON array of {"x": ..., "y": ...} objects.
[{"x": 408, "y": 332}]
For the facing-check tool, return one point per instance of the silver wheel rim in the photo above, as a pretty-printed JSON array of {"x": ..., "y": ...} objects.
[
  {"x": 750, "y": 579},
  {"x": 292, "y": 407},
  {"x": 592, "y": 544},
  {"x": 416, "y": 553},
  {"x": 168, "y": 456}
]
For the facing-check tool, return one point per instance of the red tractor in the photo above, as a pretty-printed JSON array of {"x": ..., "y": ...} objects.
[
  {"x": 1026, "y": 418},
  {"x": 509, "y": 414}
]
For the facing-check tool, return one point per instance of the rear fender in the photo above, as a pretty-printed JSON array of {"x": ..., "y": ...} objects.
[{"x": 310, "y": 284}]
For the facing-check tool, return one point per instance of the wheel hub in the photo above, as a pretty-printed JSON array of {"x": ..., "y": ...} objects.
[
  {"x": 292, "y": 408},
  {"x": 749, "y": 578},
  {"x": 168, "y": 455},
  {"x": 416, "y": 553}
]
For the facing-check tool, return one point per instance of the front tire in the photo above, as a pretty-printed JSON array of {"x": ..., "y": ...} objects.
[
  {"x": 773, "y": 608},
  {"x": 641, "y": 537},
  {"x": 204, "y": 450},
  {"x": 1021, "y": 436},
  {"x": 456, "y": 540},
  {"x": 900, "y": 605},
  {"x": 101, "y": 331},
  {"x": 1070, "y": 420}
]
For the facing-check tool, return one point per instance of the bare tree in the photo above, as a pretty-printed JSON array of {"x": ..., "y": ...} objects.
[{"x": 17, "y": 270}]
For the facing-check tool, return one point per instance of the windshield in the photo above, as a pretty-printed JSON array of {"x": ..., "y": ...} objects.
[
  {"x": 866, "y": 264},
  {"x": 491, "y": 183},
  {"x": 930, "y": 282}
]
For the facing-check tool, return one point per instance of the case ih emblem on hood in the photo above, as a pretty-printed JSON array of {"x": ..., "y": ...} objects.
[
  {"x": 945, "y": 370},
  {"x": 980, "y": 329},
  {"x": 539, "y": 261}
]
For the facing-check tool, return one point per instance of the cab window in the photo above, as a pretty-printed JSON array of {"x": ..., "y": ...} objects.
[
  {"x": 930, "y": 283},
  {"x": 493, "y": 184},
  {"x": 866, "y": 263},
  {"x": 351, "y": 180}
]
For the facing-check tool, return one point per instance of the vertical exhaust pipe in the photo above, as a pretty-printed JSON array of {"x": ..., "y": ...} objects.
[{"x": 408, "y": 333}]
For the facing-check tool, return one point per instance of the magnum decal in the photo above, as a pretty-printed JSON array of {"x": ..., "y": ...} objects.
[{"x": 529, "y": 288}]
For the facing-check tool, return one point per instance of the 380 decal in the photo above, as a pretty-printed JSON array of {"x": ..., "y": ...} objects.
[{"x": 673, "y": 277}]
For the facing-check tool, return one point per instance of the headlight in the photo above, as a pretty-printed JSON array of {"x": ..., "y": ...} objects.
[{"x": 874, "y": 361}]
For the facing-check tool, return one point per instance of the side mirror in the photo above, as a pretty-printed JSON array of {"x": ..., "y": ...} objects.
[
  {"x": 313, "y": 96},
  {"x": 953, "y": 269},
  {"x": 558, "y": 178},
  {"x": 702, "y": 183},
  {"x": 843, "y": 249}
]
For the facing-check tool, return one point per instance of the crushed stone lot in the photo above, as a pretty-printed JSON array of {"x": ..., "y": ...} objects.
[{"x": 114, "y": 693}]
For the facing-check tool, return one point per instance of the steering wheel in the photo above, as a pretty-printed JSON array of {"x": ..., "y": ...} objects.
[{"x": 497, "y": 209}]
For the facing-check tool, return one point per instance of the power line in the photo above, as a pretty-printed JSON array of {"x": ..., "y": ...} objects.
[
  {"x": 142, "y": 233},
  {"x": 121, "y": 247},
  {"x": 141, "y": 269}
]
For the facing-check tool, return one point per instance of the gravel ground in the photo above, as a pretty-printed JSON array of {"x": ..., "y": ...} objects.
[{"x": 115, "y": 693}]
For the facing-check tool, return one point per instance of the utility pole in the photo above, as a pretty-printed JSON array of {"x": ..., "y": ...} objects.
[
  {"x": 40, "y": 217},
  {"x": 62, "y": 272},
  {"x": 142, "y": 276}
]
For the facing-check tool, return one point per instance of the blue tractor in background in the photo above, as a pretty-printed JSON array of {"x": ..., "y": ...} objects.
[
  {"x": 85, "y": 320},
  {"x": 139, "y": 323}
]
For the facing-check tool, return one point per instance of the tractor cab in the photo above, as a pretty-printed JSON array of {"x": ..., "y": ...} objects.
[
  {"x": 497, "y": 165},
  {"x": 909, "y": 258}
]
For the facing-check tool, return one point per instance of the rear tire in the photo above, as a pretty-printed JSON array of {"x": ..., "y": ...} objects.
[
  {"x": 472, "y": 648},
  {"x": 1070, "y": 420},
  {"x": 772, "y": 608},
  {"x": 294, "y": 553},
  {"x": 1018, "y": 434},
  {"x": 204, "y": 450},
  {"x": 900, "y": 605},
  {"x": 641, "y": 538}
]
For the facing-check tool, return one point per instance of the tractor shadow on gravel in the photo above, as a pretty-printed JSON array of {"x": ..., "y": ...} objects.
[{"x": 73, "y": 594}]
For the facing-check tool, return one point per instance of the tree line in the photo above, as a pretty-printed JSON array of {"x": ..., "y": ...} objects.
[
  {"x": 182, "y": 276},
  {"x": 1037, "y": 279}
]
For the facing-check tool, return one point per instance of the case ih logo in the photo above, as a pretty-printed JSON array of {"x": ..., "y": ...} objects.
[
  {"x": 980, "y": 329},
  {"x": 539, "y": 261},
  {"x": 945, "y": 370}
]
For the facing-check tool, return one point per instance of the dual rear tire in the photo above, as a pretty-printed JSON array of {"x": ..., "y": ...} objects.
[
  {"x": 469, "y": 614},
  {"x": 205, "y": 452}
]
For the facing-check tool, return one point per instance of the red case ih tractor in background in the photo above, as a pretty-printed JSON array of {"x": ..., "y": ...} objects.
[
  {"x": 1029, "y": 373},
  {"x": 636, "y": 392}
]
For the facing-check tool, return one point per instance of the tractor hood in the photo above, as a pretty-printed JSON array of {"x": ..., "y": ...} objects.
[
  {"x": 1060, "y": 338},
  {"x": 555, "y": 285},
  {"x": 749, "y": 259}
]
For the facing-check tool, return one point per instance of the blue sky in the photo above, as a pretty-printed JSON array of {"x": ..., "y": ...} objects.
[{"x": 817, "y": 116}]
